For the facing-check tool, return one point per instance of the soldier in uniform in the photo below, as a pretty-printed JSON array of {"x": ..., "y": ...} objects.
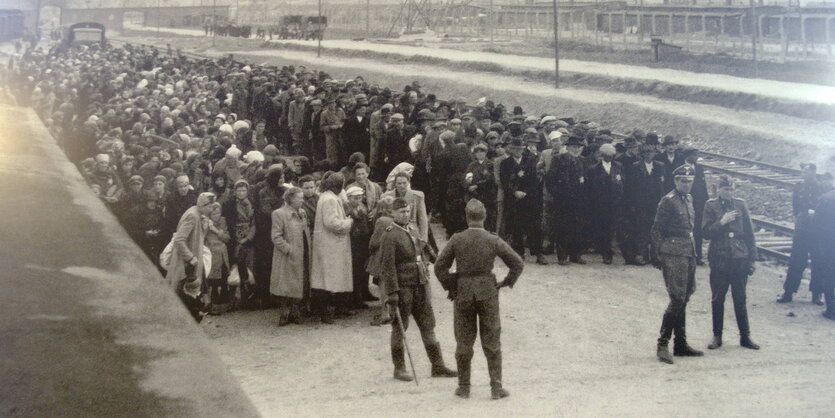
[
  {"x": 404, "y": 275},
  {"x": 804, "y": 198},
  {"x": 732, "y": 252},
  {"x": 674, "y": 252},
  {"x": 474, "y": 291}
]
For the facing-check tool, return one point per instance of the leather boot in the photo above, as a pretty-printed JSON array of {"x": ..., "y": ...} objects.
[
  {"x": 716, "y": 343},
  {"x": 786, "y": 298},
  {"x": 745, "y": 341},
  {"x": 439, "y": 369},
  {"x": 400, "y": 372},
  {"x": 663, "y": 353},
  {"x": 494, "y": 367},
  {"x": 463, "y": 363},
  {"x": 680, "y": 347}
]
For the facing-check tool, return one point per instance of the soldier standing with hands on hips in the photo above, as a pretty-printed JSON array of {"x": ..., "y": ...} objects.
[
  {"x": 732, "y": 252},
  {"x": 405, "y": 278},
  {"x": 474, "y": 291},
  {"x": 674, "y": 252}
]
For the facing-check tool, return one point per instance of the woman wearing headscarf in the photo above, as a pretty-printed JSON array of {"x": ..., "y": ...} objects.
[
  {"x": 399, "y": 168},
  {"x": 331, "y": 271},
  {"x": 291, "y": 238}
]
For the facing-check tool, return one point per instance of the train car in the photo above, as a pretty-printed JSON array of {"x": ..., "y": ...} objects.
[
  {"x": 11, "y": 24},
  {"x": 85, "y": 33}
]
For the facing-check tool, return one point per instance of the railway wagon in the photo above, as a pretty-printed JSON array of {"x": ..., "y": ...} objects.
[
  {"x": 11, "y": 24},
  {"x": 85, "y": 32}
]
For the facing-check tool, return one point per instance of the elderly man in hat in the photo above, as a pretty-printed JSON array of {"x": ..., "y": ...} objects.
[
  {"x": 295, "y": 118},
  {"x": 674, "y": 253},
  {"x": 671, "y": 158},
  {"x": 377, "y": 125},
  {"x": 314, "y": 128},
  {"x": 522, "y": 199},
  {"x": 481, "y": 184},
  {"x": 566, "y": 182},
  {"x": 331, "y": 122},
  {"x": 475, "y": 295},
  {"x": 732, "y": 253},
  {"x": 605, "y": 184},
  {"x": 645, "y": 185},
  {"x": 395, "y": 146}
]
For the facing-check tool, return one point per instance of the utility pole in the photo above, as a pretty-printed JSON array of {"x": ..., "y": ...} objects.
[
  {"x": 556, "y": 47},
  {"x": 491, "y": 22},
  {"x": 319, "y": 33},
  {"x": 754, "y": 30},
  {"x": 214, "y": 21}
]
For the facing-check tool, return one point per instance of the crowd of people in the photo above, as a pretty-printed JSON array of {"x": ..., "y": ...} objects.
[{"x": 287, "y": 176}]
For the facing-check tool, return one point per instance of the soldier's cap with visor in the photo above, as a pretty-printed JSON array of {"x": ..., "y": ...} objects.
[{"x": 684, "y": 171}]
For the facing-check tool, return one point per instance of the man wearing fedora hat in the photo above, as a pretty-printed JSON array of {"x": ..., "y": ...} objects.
[
  {"x": 566, "y": 183},
  {"x": 523, "y": 208},
  {"x": 674, "y": 253},
  {"x": 671, "y": 158}
]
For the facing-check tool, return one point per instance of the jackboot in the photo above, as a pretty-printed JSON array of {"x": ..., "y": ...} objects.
[
  {"x": 680, "y": 347},
  {"x": 663, "y": 353},
  {"x": 463, "y": 364},
  {"x": 400, "y": 372},
  {"x": 786, "y": 298},
  {"x": 716, "y": 343},
  {"x": 494, "y": 368},
  {"x": 745, "y": 341},
  {"x": 817, "y": 298},
  {"x": 439, "y": 369}
]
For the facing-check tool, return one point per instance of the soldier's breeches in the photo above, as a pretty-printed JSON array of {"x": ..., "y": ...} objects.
[
  {"x": 680, "y": 279},
  {"x": 733, "y": 274},
  {"x": 471, "y": 318},
  {"x": 415, "y": 301}
]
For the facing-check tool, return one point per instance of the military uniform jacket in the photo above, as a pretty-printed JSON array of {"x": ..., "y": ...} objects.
[
  {"x": 402, "y": 257},
  {"x": 672, "y": 231},
  {"x": 474, "y": 251},
  {"x": 734, "y": 240}
]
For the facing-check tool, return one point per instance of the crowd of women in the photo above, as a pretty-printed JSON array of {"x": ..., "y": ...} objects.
[{"x": 286, "y": 175}]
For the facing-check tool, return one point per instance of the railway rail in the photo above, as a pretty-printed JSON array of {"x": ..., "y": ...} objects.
[{"x": 774, "y": 240}]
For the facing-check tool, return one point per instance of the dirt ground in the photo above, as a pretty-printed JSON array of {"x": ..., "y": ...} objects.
[{"x": 577, "y": 341}]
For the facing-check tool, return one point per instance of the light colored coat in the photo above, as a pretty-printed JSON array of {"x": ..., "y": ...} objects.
[
  {"x": 331, "y": 270},
  {"x": 187, "y": 242},
  {"x": 289, "y": 231}
]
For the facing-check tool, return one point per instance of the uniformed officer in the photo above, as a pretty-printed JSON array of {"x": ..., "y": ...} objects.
[
  {"x": 731, "y": 254},
  {"x": 404, "y": 275},
  {"x": 475, "y": 293},
  {"x": 674, "y": 252},
  {"x": 804, "y": 199}
]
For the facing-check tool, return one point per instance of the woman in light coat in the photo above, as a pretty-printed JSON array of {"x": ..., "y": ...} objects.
[
  {"x": 291, "y": 256},
  {"x": 185, "y": 270},
  {"x": 331, "y": 277}
]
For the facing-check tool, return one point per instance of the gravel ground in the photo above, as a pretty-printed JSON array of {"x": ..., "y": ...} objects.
[{"x": 577, "y": 341}]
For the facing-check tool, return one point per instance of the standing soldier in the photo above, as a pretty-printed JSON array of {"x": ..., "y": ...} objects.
[
  {"x": 404, "y": 276},
  {"x": 804, "y": 198},
  {"x": 674, "y": 252},
  {"x": 732, "y": 252},
  {"x": 474, "y": 291},
  {"x": 699, "y": 195}
]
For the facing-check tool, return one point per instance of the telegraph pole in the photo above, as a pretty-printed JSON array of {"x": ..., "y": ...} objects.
[
  {"x": 319, "y": 34},
  {"x": 556, "y": 48},
  {"x": 754, "y": 29}
]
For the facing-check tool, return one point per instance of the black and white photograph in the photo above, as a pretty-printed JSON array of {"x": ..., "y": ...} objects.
[{"x": 415, "y": 208}]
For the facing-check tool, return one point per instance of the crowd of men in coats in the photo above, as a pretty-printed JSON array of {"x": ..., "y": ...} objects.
[{"x": 174, "y": 145}]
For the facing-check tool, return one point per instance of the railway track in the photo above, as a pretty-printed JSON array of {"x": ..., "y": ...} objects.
[
  {"x": 773, "y": 240},
  {"x": 771, "y": 174}
]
